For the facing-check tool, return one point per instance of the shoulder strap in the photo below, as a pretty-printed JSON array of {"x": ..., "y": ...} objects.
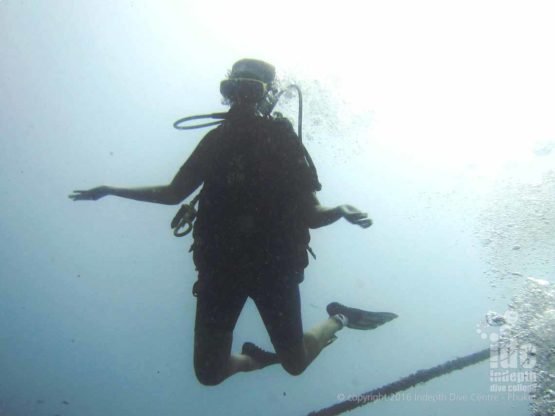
[{"x": 279, "y": 118}]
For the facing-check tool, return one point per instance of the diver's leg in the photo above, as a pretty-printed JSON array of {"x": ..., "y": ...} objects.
[
  {"x": 320, "y": 336},
  {"x": 213, "y": 359},
  {"x": 218, "y": 307},
  {"x": 296, "y": 358},
  {"x": 279, "y": 305}
]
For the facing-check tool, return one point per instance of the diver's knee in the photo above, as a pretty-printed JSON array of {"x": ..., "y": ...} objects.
[
  {"x": 209, "y": 372},
  {"x": 294, "y": 358},
  {"x": 209, "y": 381},
  {"x": 208, "y": 376},
  {"x": 294, "y": 362},
  {"x": 294, "y": 368},
  {"x": 211, "y": 356}
]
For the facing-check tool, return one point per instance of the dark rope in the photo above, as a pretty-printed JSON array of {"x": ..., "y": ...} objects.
[{"x": 405, "y": 383}]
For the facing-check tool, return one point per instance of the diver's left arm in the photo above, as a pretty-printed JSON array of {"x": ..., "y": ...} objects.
[
  {"x": 163, "y": 194},
  {"x": 189, "y": 178},
  {"x": 183, "y": 185},
  {"x": 320, "y": 216}
]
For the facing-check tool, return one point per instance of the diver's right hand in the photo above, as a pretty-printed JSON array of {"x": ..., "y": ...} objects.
[
  {"x": 92, "y": 194},
  {"x": 355, "y": 216}
]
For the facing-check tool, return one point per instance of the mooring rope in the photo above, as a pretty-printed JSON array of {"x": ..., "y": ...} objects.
[{"x": 404, "y": 383}]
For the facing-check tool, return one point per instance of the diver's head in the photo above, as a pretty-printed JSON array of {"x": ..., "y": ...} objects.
[{"x": 248, "y": 82}]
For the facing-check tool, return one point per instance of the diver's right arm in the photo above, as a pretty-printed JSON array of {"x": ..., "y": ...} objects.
[{"x": 320, "y": 216}]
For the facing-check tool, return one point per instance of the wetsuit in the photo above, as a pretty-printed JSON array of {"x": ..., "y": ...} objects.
[{"x": 251, "y": 233}]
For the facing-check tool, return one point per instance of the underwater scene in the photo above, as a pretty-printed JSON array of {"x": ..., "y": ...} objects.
[{"x": 429, "y": 286}]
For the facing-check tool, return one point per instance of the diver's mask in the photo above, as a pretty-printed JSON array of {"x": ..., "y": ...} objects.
[
  {"x": 243, "y": 90},
  {"x": 249, "y": 82}
]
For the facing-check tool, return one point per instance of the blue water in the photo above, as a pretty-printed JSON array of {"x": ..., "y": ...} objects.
[{"x": 96, "y": 311}]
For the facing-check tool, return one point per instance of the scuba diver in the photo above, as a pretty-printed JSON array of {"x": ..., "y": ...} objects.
[{"x": 251, "y": 233}]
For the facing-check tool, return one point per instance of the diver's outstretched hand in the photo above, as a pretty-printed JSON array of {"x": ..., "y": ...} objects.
[
  {"x": 355, "y": 216},
  {"x": 92, "y": 194}
]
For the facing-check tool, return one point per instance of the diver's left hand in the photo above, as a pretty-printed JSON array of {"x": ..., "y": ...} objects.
[
  {"x": 91, "y": 194},
  {"x": 355, "y": 216}
]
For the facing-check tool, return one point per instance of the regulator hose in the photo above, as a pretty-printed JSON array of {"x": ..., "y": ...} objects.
[{"x": 179, "y": 123}]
